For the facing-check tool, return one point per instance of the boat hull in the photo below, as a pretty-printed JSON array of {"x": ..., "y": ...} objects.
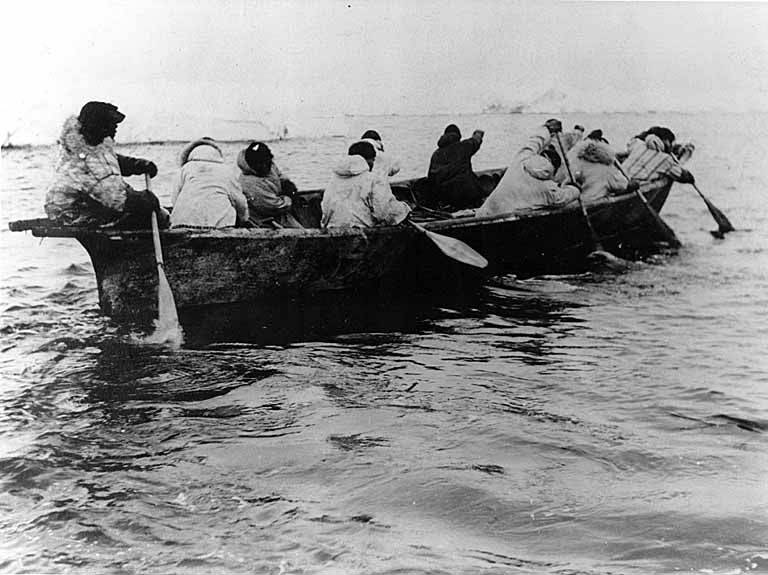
[
  {"x": 239, "y": 265},
  {"x": 223, "y": 266}
]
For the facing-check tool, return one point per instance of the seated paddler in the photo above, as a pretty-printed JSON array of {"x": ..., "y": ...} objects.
[
  {"x": 88, "y": 187},
  {"x": 386, "y": 164},
  {"x": 452, "y": 182},
  {"x": 269, "y": 193},
  {"x": 206, "y": 192},
  {"x": 358, "y": 197},
  {"x": 529, "y": 180},
  {"x": 593, "y": 164},
  {"x": 650, "y": 158},
  {"x": 568, "y": 140}
]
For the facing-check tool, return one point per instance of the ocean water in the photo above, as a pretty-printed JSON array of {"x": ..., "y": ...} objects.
[{"x": 592, "y": 424}]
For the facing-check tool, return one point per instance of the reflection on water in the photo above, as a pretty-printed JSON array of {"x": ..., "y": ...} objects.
[
  {"x": 326, "y": 316},
  {"x": 282, "y": 321}
]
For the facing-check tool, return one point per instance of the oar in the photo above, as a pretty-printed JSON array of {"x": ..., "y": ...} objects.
[
  {"x": 666, "y": 231},
  {"x": 595, "y": 239},
  {"x": 723, "y": 225},
  {"x": 167, "y": 318},
  {"x": 453, "y": 248}
]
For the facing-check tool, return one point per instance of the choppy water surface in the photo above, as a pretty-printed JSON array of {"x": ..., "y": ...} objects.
[{"x": 605, "y": 423}]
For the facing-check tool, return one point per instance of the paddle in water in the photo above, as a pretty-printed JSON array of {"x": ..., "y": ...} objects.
[
  {"x": 723, "y": 224},
  {"x": 167, "y": 328}
]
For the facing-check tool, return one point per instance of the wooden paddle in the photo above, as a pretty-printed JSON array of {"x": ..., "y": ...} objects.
[
  {"x": 724, "y": 226},
  {"x": 666, "y": 231},
  {"x": 595, "y": 238},
  {"x": 453, "y": 248},
  {"x": 167, "y": 318}
]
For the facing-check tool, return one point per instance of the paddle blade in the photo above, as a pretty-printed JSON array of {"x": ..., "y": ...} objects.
[
  {"x": 457, "y": 250},
  {"x": 167, "y": 328},
  {"x": 724, "y": 226}
]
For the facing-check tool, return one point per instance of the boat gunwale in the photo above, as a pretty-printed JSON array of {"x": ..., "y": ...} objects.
[{"x": 42, "y": 227}]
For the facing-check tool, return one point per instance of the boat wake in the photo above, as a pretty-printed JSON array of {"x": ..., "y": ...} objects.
[{"x": 166, "y": 334}]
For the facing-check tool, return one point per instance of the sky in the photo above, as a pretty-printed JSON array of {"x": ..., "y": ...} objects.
[{"x": 167, "y": 63}]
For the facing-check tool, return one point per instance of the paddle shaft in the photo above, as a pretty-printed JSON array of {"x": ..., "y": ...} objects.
[
  {"x": 668, "y": 233},
  {"x": 156, "y": 240},
  {"x": 723, "y": 224},
  {"x": 592, "y": 232},
  {"x": 155, "y": 227}
]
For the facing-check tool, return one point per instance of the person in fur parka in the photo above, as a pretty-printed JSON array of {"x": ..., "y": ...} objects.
[
  {"x": 593, "y": 164},
  {"x": 528, "y": 183},
  {"x": 88, "y": 188},
  {"x": 649, "y": 158},
  {"x": 268, "y": 192}
]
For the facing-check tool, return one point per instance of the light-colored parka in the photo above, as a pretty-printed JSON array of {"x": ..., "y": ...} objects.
[
  {"x": 206, "y": 192},
  {"x": 528, "y": 182},
  {"x": 357, "y": 197},
  {"x": 384, "y": 163},
  {"x": 592, "y": 163}
]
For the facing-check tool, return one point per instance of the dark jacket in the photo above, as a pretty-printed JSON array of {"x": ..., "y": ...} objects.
[{"x": 450, "y": 172}]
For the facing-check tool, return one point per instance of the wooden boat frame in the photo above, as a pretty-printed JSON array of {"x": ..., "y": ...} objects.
[{"x": 217, "y": 266}]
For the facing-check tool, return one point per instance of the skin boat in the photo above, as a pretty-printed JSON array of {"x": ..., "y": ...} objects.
[{"x": 232, "y": 265}]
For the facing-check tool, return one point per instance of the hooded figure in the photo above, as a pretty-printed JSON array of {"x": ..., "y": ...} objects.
[
  {"x": 357, "y": 197},
  {"x": 597, "y": 135},
  {"x": 529, "y": 181},
  {"x": 450, "y": 174},
  {"x": 593, "y": 164},
  {"x": 267, "y": 191},
  {"x": 384, "y": 164},
  {"x": 88, "y": 188},
  {"x": 206, "y": 193}
]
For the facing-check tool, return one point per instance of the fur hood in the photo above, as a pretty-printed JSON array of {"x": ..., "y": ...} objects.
[
  {"x": 351, "y": 166},
  {"x": 203, "y": 149},
  {"x": 72, "y": 141},
  {"x": 594, "y": 152}
]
